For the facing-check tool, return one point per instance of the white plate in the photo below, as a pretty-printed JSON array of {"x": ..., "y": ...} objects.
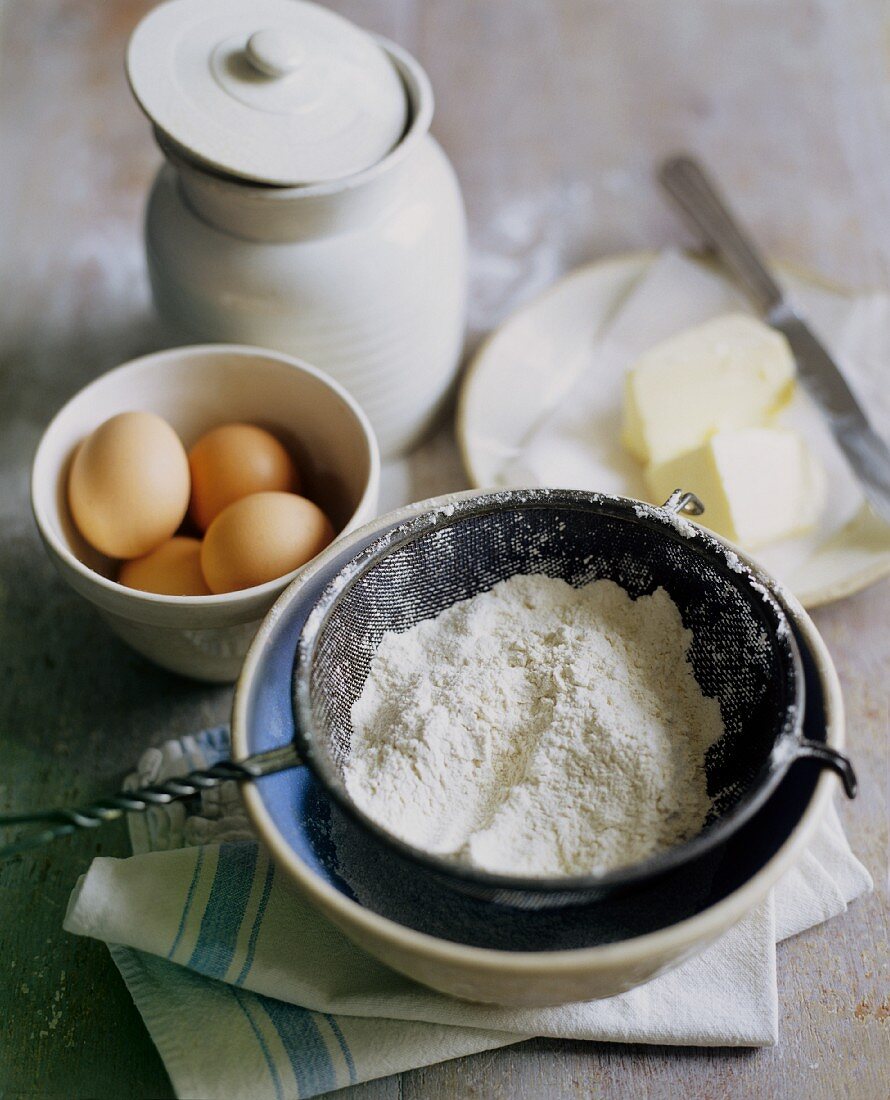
[{"x": 521, "y": 371}]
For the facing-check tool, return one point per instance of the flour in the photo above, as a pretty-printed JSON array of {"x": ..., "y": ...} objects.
[{"x": 536, "y": 729}]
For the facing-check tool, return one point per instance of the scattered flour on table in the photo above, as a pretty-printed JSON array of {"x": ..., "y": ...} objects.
[{"x": 537, "y": 729}]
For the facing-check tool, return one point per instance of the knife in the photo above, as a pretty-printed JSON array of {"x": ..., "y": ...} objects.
[{"x": 685, "y": 180}]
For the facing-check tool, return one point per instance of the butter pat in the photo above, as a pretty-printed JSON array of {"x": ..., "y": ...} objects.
[
  {"x": 758, "y": 485},
  {"x": 731, "y": 372}
]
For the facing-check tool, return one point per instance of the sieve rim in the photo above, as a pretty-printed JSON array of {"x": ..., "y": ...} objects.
[{"x": 751, "y": 580}]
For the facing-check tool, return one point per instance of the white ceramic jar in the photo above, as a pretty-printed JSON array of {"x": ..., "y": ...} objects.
[{"x": 363, "y": 275}]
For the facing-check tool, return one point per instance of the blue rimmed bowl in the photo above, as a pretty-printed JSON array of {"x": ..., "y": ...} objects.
[{"x": 473, "y": 950}]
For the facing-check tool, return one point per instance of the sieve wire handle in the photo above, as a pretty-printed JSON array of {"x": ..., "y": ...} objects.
[
  {"x": 62, "y": 822},
  {"x": 827, "y": 757},
  {"x": 687, "y": 503}
]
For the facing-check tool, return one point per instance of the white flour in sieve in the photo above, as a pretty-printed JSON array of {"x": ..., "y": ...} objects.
[{"x": 536, "y": 729}]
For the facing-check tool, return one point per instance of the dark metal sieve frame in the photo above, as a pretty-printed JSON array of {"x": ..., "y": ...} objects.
[{"x": 789, "y": 745}]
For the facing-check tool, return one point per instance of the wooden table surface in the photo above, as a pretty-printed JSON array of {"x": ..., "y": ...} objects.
[{"x": 554, "y": 114}]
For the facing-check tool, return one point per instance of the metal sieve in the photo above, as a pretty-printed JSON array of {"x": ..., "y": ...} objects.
[{"x": 743, "y": 653}]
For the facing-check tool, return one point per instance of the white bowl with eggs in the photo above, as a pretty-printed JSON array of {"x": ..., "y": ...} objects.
[{"x": 195, "y": 389}]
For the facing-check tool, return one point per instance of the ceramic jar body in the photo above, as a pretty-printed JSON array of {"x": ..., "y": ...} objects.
[{"x": 365, "y": 279}]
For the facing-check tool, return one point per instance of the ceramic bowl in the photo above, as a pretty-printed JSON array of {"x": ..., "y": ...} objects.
[
  {"x": 196, "y": 388},
  {"x": 621, "y": 949}
]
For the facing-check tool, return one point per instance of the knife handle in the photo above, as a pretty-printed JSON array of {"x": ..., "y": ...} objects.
[{"x": 685, "y": 180}]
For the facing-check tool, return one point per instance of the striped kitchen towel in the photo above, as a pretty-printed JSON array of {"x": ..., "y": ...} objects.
[{"x": 249, "y": 992}]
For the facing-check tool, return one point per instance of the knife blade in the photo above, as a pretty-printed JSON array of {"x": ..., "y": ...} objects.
[{"x": 696, "y": 195}]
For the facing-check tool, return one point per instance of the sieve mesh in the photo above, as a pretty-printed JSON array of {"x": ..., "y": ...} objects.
[{"x": 741, "y": 649}]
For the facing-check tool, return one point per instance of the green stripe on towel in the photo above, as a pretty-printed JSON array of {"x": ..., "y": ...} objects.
[
  {"x": 257, "y": 923},
  {"x": 226, "y": 906},
  {"x": 302, "y": 1040},
  {"x": 244, "y": 1001},
  {"x": 189, "y": 899}
]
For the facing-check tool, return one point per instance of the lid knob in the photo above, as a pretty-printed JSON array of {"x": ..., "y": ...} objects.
[{"x": 275, "y": 53}]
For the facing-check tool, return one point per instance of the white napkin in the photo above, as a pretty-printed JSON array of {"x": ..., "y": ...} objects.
[
  {"x": 577, "y": 444},
  {"x": 249, "y": 992}
]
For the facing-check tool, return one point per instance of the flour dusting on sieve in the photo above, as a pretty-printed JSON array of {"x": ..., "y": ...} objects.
[{"x": 537, "y": 729}]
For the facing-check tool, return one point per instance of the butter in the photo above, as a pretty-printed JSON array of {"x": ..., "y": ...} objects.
[
  {"x": 758, "y": 485},
  {"x": 731, "y": 372}
]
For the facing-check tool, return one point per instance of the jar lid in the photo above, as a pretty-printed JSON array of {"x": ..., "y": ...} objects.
[{"x": 274, "y": 91}]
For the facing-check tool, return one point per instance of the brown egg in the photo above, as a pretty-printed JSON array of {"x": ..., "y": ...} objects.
[
  {"x": 172, "y": 569},
  {"x": 128, "y": 489},
  {"x": 233, "y": 461},
  {"x": 261, "y": 537}
]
